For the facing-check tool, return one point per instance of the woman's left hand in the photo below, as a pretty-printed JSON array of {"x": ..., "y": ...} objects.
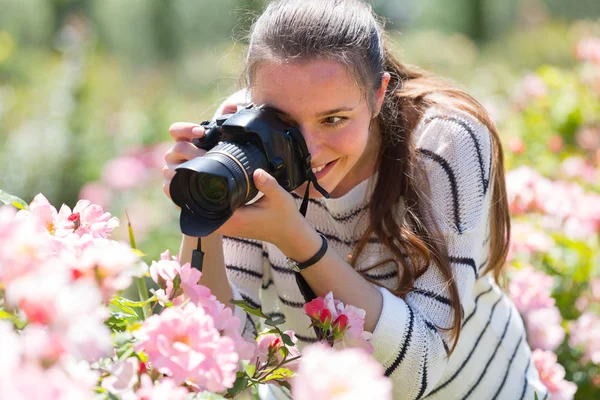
[{"x": 274, "y": 218}]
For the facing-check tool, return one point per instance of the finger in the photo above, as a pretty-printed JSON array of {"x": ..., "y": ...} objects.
[
  {"x": 182, "y": 151},
  {"x": 185, "y": 131},
  {"x": 168, "y": 171},
  {"x": 267, "y": 184},
  {"x": 227, "y": 108}
]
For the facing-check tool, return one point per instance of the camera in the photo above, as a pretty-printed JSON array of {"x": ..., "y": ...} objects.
[{"x": 208, "y": 189}]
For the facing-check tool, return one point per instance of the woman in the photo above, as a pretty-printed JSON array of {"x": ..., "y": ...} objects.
[{"x": 417, "y": 223}]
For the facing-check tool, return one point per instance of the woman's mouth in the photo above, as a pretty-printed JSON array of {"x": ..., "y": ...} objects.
[{"x": 323, "y": 169}]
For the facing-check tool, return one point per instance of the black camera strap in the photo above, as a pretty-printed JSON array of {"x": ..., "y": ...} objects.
[{"x": 305, "y": 289}]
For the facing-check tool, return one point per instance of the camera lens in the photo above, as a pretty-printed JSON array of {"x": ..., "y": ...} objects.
[{"x": 212, "y": 188}]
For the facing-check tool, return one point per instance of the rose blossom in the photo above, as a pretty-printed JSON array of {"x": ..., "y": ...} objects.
[
  {"x": 531, "y": 289},
  {"x": 543, "y": 328},
  {"x": 165, "y": 389},
  {"x": 552, "y": 375},
  {"x": 271, "y": 343},
  {"x": 585, "y": 333},
  {"x": 123, "y": 376},
  {"x": 325, "y": 373},
  {"x": 182, "y": 342}
]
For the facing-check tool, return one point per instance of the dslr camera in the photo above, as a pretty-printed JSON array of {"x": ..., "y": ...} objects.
[{"x": 210, "y": 188}]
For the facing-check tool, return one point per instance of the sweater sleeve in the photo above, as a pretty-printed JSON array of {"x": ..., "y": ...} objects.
[
  {"x": 245, "y": 264},
  {"x": 456, "y": 151}
]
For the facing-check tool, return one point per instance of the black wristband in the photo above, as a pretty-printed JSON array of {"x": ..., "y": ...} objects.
[{"x": 299, "y": 266}]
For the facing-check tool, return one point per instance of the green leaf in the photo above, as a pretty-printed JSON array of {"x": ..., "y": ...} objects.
[
  {"x": 284, "y": 351},
  {"x": 287, "y": 339},
  {"x": 130, "y": 230},
  {"x": 279, "y": 373},
  {"x": 128, "y": 351},
  {"x": 117, "y": 301},
  {"x": 19, "y": 323},
  {"x": 130, "y": 303},
  {"x": 13, "y": 201},
  {"x": 535, "y": 395},
  {"x": 239, "y": 385},
  {"x": 275, "y": 322},
  {"x": 248, "y": 308}
]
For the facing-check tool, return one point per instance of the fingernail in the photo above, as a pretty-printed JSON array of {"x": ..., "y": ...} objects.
[
  {"x": 198, "y": 131},
  {"x": 262, "y": 177}
]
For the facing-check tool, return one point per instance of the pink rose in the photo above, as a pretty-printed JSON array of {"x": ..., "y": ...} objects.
[
  {"x": 531, "y": 289},
  {"x": 552, "y": 375},
  {"x": 184, "y": 344},
  {"x": 348, "y": 374},
  {"x": 544, "y": 330}
]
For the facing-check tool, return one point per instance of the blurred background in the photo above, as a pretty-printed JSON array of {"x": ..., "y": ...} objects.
[{"x": 89, "y": 88}]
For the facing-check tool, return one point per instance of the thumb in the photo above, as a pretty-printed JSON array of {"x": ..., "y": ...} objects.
[{"x": 266, "y": 183}]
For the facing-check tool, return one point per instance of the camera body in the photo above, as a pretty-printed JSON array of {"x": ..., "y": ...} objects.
[
  {"x": 262, "y": 128},
  {"x": 208, "y": 189}
]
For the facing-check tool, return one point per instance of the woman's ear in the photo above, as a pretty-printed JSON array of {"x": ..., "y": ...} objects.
[{"x": 380, "y": 94}]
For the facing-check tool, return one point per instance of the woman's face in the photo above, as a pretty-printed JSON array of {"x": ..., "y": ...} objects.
[{"x": 324, "y": 102}]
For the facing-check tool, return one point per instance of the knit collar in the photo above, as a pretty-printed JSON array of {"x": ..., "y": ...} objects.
[{"x": 356, "y": 198}]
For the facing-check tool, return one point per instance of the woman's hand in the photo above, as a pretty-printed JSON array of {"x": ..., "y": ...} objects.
[
  {"x": 183, "y": 150},
  {"x": 274, "y": 218}
]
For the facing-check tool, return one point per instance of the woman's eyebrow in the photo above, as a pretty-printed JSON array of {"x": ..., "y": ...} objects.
[{"x": 321, "y": 114}]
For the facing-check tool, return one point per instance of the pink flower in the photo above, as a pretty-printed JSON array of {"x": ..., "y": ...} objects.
[
  {"x": 552, "y": 375},
  {"x": 184, "y": 344},
  {"x": 93, "y": 220},
  {"x": 110, "y": 263},
  {"x": 588, "y": 49},
  {"x": 165, "y": 389},
  {"x": 544, "y": 330},
  {"x": 165, "y": 273},
  {"x": 166, "y": 255},
  {"x": 347, "y": 374},
  {"x": 578, "y": 167},
  {"x": 556, "y": 143},
  {"x": 269, "y": 346},
  {"x": 517, "y": 145},
  {"x": 345, "y": 324},
  {"x": 123, "y": 376},
  {"x": 531, "y": 289},
  {"x": 97, "y": 193},
  {"x": 534, "y": 86},
  {"x": 525, "y": 238},
  {"x": 314, "y": 308},
  {"x": 353, "y": 333},
  {"x": 124, "y": 173},
  {"x": 585, "y": 333}
]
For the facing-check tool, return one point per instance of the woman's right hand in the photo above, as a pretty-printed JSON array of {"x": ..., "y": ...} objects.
[{"x": 183, "y": 150}]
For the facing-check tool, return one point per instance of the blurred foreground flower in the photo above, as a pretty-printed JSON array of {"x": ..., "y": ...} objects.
[{"x": 325, "y": 373}]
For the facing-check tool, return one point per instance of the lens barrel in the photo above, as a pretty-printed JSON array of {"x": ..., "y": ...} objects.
[{"x": 209, "y": 188}]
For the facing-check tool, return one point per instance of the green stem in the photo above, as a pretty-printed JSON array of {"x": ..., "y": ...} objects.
[{"x": 143, "y": 295}]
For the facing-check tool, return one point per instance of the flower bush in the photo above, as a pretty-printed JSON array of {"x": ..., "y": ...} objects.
[{"x": 69, "y": 333}]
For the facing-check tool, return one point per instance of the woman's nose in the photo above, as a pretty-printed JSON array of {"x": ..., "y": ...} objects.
[{"x": 313, "y": 143}]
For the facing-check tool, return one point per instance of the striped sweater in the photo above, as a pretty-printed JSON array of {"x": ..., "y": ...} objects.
[{"x": 492, "y": 359}]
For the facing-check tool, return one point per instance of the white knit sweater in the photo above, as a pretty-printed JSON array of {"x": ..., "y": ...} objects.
[{"x": 492, "y": 359}]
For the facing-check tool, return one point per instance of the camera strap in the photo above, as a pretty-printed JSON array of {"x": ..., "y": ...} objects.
[{"x": 305, "y": 289}]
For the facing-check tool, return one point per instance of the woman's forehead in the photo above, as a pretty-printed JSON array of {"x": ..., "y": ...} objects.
[{"x": 311, "y": 86}]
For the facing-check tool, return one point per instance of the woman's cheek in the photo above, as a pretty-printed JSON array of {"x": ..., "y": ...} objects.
[{"x": 348, "y": 141}]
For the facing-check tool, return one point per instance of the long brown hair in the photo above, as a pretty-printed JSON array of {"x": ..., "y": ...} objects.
[{"x": 349, "y": 32}]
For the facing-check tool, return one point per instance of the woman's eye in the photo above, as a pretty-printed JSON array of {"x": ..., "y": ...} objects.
[{"x": 333, "y": 121}]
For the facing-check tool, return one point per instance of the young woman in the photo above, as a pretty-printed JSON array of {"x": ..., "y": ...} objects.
[{"x": 417, "y": 223}]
